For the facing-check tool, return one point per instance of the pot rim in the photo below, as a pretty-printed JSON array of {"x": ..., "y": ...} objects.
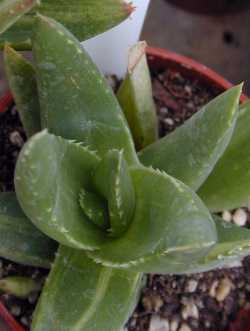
[
  {"x": 9, "y": 319},
  {"x": 191, "y": 68},
  {"x": 184, "y": 65}
]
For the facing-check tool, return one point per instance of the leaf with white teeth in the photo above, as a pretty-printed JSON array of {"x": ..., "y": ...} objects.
[
  {"x": 94, "y": 208},
  {"x": 113, "y": 181},
  {"x": 73, "y": 91},
  {"x": 50, "y": 174},
  {"x": 166, "y": 211}
]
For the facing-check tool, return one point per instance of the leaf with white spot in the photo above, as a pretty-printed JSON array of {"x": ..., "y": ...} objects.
[
  {"x": 82, "y": 295},
  {"x": 50, "y": 174},
  {"x": 20, "y": 240},
  {"x": 12, "y": 10},
  {"x": 192, "y": 150},
  {"x": 84, "y": 18},
  {"x": 72, "y": 91}
]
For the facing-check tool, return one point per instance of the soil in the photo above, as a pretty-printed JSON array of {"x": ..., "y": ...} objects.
[{"x": 206, "y": 301}]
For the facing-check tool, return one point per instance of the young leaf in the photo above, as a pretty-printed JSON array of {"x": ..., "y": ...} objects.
[
  {"x": 20, "y": 287},
  {"x": 100, "y": 298},
  {"x": 233, "y": 243},
  {"x": 84, "y": 18},
  {"x": 192, "y": 150},
  {"x": 94, "y": 208},
  {"x": 22, "y": 80},
  {"x": 136, "y": 99},
  {"x": 72, "y": 91},
  {"x": 12, "y": 10},
  {"x": 166, "y": 211},
  {"x": 50, "y": 174},
  {"x": 113, "y": 181},
  {"x": 228, "y": 186},
  {"x": 20, "y": 241}
]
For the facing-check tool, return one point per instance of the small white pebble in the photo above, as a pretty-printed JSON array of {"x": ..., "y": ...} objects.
[
  {"x": 190, "y": 310},
  {"x": 169, "y": 121},
  {"x": 163, "y": 110},
  {"x": 213, "y": 288},
  {"x": 227, "y": 216},
  {"x": 15, "y": 310},
  {"x": 185, "y": 327},
  {"x": 174, "y": 325},
  {"x": 223, "y": 289},
  {"x": 16, "y": 139},
  {"x": 191, "y": 286},
  {"x": 240, "y": 217},
  {"x": 158, "y": 324}
]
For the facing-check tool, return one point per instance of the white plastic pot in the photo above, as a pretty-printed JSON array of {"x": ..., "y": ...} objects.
[{"x": 109, "y": 50}]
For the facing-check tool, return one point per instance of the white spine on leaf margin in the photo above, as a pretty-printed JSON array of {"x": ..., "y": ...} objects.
[{"x": 110, "y": 50}]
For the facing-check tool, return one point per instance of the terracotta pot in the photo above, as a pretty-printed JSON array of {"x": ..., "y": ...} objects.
[
  {"x": 211, "y": 6},
  {"x": 159, "y": 59},
  {"x": 7, "y": 322}
]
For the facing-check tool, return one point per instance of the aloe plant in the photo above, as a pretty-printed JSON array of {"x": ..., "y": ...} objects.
[{"x": 116, "y": 214}]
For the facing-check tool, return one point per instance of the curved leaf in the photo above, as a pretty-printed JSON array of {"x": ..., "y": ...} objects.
[
  {"x": 72, "y": 91},
  {"x": 50, "y": 174},
  {"x": 113, "y": 181},
  {"x": 12, "y": 10},
  {"x": 233, "y": 244},
  {"x": 166, "y": 214},
  {"x": 100, "y": 298},
  {"x": 192, "y": 150},
  {"x": 94, "y": 208},
  {"x": 228, "y": 186},
  {"x": 20, "y": 241},
  {"x": 22, "y": 80},
  {"x": 136, "y": 98},
  {"x": 84, "y": 18}
]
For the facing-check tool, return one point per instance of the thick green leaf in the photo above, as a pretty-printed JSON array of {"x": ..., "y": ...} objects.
[
  {"x": 95, "y": 208},
  {"x": 81, "y": 295},
  {"x": 20, "y": 287},
  {"x": 73, "y": 91},
  {"x": 84, "y": 18},
  {"x": 228, "y": 186},
  {"x": 169, "y": 218},
  {"x": 50, "y": 174},
  {"x": 136, "y": 99},
  {"x": 113, "y": 181},
  {"x": 192, "y": 150},
  {"x": 12, "y": 10},
  {"x": 22, "y": 80},
  {"x": 233, "y": 244},
  {"x": 20, "y": 241}
]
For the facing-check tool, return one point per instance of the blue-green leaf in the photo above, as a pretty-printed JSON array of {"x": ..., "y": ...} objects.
[
  {"x": 50, "y": 174},
  {"x": 20, "y": 240},
  {"x": 228, "y": 186},
  {"x": 192, "y": 150},
  {"x": 72, "y": 91},
  {"x": 82, "y": 295}
]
